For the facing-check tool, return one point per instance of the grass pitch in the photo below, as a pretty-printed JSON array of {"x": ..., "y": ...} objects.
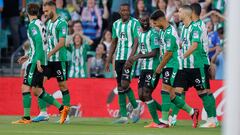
[{"x": 97, "y": 126}]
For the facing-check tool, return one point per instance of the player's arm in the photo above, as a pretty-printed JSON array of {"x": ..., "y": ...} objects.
[
  {"x": 62, "y": 34},
  {"x": 195, "y": 40},
  {"x": 151, "y": 54},
  {"x": 171, "y": 43}
]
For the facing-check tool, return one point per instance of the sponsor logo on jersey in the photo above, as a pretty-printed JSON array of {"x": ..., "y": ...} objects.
[
  {"x": 64, "y": 31},
  {"x": 123, "y": 36},
  {"x": 195, "y": 34},
  {"x": 34, "y": 31}
]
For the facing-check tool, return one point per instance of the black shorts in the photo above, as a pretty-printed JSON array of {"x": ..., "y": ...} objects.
[
  {"x": 191, "y": 77},
  {"x": 169, "y": 76},
  {"x": 33, "y": 77},
  {"x": 122, "y": 74},
  {"x": 207, "y": 76},
  {"x": 57, "y": 69},
  {"x": 148, "y": 79}
]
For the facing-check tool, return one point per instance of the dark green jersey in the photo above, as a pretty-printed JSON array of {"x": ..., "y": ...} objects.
[
  {"x": 169, "y": 41},
  {"x": 125, "y": 33},
  {"x": 147, "y": 42},
  {"x": 190, "y": 34},
  {"x": 56, "y": 30},
  {"x": 37, "y": 36},
  {"x": 204, "y": 37}
]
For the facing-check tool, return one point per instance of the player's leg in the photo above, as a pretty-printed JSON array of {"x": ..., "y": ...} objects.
[
  {"x": 43, "y": 115},
  {"x": 202, "y": 89},
  {"x": 26, "y": 100},
  {"x": 147, "y": 96},
  {"x": 179, "y": 81},
  {"x": 125, "y": 85},
  {"x": 121, "y": 95}
]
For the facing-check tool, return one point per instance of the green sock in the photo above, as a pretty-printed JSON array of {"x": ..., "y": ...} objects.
[
  {"x": 132, "y": 98},
  {"x": 153, "y": 110},
  {"x": 207, "y": 104},
  {"x": 42, "y": 105},
  {"x": 213, "y": 104},
  {"x": 175, "y": 109},
  {"x": 122, "y": 104},
  {"x": 158, "y": 106},
  {"x": 27, "y": 103},
  {"x": 49, "y": 99},
  {"x": 66, "y": 98},
  {"x": 165, "y": 105},
  {"x": 181, "y": 104}
]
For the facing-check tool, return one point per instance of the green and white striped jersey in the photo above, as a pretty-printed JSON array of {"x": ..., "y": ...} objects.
[
  {"x": 125, "y": 33},
  {"x": 190, "y": 34},
  {"x": 78, "y": 64},
  {"x": 204, "y": 37},
  {"x": 37, "y": 36},
  {"x": 169, "y": 41},
  {"x": 147, "y": 42},
  {"x": 56, "y": 30}
]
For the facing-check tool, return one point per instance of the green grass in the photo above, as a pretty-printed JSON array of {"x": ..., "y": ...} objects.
[{"x": 96, "y": 126}]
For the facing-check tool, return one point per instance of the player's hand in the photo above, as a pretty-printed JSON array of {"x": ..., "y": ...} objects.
[
  {"x": 107, "y": 65},
  {"x": 49, "y": 55},
  {"x": 128, "y": 64},
  {"x": 39, "y": 68},
  {"x": 22, "y": 59}
]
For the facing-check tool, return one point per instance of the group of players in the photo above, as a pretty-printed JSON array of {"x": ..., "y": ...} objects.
[{"x": 182, "y": 62}]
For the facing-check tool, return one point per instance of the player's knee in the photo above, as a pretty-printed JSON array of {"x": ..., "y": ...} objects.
[
  {"x": 62, "y": 86},
  {"x": 147, "y": 94},
  {"x": 25, "y": 88},
  {"x": 125, "y": 85}
]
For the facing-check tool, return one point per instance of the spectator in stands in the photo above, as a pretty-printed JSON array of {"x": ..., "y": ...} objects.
[
  {"x": 107, "y": 39},
  {"x": 219, "y": 4},
  {"x": 216, "y": 17},
  {"x": 10, "y": 16},
  {"x": 26, "y": 48},
  {"x": 78, "y": 65},
  {"x": 139, "y": 8},
  {"x": 98, "y": 62},
  {"x": 214, "y": 40},
  {"x": 218, "y": 62},
  {"x": 162, "y": 5},
  {"x": 91, "y": 20}
]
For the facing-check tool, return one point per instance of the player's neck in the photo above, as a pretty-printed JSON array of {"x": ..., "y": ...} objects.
[
  {"x": 55, "y": 16},
  {"x": 187, "y": 21},
  {"x": 32, "y": 18},
  {"x": 124, "y": 21},
  {"x": 165, "y": 26},
  {"x": 195, "y": 18},
  {"x": 146, "y": 29}
]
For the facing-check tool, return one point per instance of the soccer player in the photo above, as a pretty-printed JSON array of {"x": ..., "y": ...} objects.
[
  {"x": 170, "y": 67},
  {"x": 33, "y": 78},
  {"x": 124, "y": 34},
  {"x": 57, "y": 30},
  {"x": 211, "y": 110},
  {"x": 149, "y": 54}
]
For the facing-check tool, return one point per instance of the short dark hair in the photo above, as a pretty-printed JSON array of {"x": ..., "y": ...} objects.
[
  {"x": 157, "y": 14},
  {"x": 196, "y": 8},
  {"x": 49, "y": 3},
  {"x": 144, "y": 14},
  {"x": 124, "y": 4},
  {"x": 33, "y": 9}
]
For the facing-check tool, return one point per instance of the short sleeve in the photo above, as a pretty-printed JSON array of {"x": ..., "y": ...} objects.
[
  {"x": 195, "y": 34},
  {"x": 171, "y": 43},
  {"x": 154, "y": 39},
  {"x": 136, "y": 29},
  {"x": 62, "y": 30},
  {"x": 114, "y": 34}
]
